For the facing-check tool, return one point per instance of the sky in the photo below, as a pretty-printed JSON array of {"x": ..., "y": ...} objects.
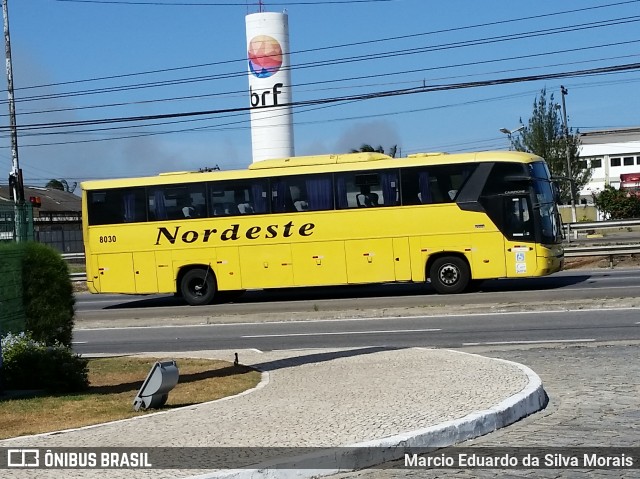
[{"x": 462, "y": 65}]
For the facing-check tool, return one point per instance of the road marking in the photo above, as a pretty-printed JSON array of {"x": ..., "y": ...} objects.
[
  {"x": 542, "y": 341},
  {"x": 338, "y": 333},
  {"x": 79, "y": 342}
]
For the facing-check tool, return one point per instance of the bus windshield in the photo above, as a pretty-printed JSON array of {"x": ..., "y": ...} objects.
[{"x": 544, "y": 204}]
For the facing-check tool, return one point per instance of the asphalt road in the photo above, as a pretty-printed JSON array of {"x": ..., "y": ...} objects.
[
  {"x": 577, "y": 288},
  {"x": 572, "y": 326}
]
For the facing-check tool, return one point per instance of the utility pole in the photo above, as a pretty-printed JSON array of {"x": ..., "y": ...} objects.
[
  {"x": 574, "y": 217},
  {"x": 15, "y": 177}
]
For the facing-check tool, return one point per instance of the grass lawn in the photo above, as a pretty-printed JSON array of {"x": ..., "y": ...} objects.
[{"x": 114, "y": 382}]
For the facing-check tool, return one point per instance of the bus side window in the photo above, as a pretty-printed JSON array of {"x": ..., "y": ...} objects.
[
  {"x": 346, "y": 191},
  {"x": 518, "y": 219},
  {"x": 417, "y": 186},
  {"x": 281, "y": 201},
  {"x": 242, "y": 205},
  {"x": 134, "y": 205},
  {"x": 366, "y": 197},
  {"x": 298, "y": 198},
  {"x": 103, "y": 210},
  {"x": 157, "y": 205}
]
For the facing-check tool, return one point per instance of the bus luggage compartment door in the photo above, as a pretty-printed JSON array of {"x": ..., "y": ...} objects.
[
  {"x": 116, "y": 273},
  {"x": 319, "y": 263},
  {"x": 266, "y": 266},
  {"x": 144, "y": 269},
  {"x": 401, "y": 259},
  {"x": 370, "y": 260}
]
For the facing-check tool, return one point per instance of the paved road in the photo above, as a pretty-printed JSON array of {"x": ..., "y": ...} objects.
[
  {"x": 578, "y": 288},
  {"x": 594, "y": 393},
  {"x": 451, "y": 331}
]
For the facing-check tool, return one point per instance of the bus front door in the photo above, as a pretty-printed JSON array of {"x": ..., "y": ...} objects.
[{"x": 520, "y": 251}]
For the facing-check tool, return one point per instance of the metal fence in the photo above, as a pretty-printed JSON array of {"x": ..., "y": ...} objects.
[
  {"x": 16, "y": 222},
  {"x": 62, "y": 233},
  {"x": 16, "y": 225},
  {"x": 12, "y": 315},
  {"x": 573, "y": 228}
]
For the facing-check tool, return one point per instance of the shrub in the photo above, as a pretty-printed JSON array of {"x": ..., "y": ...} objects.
[
  {"x": 47, "y": 295},
  {"x": 617, "y": 204},
  {"x": 30, "y": 364}
]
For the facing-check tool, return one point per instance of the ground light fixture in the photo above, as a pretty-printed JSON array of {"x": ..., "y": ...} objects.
[{"x": 154, "y": 392}]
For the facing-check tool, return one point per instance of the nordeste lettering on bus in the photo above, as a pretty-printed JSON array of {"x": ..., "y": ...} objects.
[{"x": 232, "y": 233}]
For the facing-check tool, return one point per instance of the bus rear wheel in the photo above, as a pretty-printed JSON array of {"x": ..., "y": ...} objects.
[
  {"x": 198, "y": 287},
  {"x": 449, "y": 275}
]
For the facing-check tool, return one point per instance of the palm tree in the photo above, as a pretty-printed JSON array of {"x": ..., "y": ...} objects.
[
  {"x": 62, "y": 185},
  {"x": 366, "y": 148}
]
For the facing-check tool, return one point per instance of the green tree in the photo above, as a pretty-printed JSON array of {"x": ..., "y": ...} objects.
[
  {"x": 544, "y": 136},
  {"x": 617, "y": 204},
  {"x": 366, "y": 148}
]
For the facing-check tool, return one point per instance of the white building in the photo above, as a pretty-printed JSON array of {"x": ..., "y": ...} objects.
[{"x": 609, "y": 153}]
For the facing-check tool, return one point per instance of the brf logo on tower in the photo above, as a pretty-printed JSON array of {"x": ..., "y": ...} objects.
[
  {"x": 265, "y": 60},
  {"x": 265, "y": 56}
]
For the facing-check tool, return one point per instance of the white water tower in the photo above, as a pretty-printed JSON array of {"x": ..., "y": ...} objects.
[{"x": 270, "y": 85}]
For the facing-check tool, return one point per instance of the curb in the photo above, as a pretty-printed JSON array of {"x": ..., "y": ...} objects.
[{"x": 362, "y": 455}]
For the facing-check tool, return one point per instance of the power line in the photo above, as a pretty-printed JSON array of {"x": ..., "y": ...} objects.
[
  {"x": 93, "y": 130},
  {"x": 344, "y": 45},
  {"x": 380, "y": 94},
  {"x": 351, "y": 59},
  {"x": 337, "y": 80},
  {"x": 226, "y": 126},
  {"x": 222, "y": 4}
]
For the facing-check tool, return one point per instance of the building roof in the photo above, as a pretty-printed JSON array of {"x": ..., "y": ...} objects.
[
  {"x": 613, "y": 135},
  {"x": 51, "y": 200}
]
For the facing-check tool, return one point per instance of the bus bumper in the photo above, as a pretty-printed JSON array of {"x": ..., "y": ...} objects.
[{"x": 550, "y": 259}]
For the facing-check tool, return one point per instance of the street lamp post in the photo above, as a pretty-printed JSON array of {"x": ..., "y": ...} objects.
[
  {"x": 509, "y": 132},
  {"x": 572, "y": 188}
]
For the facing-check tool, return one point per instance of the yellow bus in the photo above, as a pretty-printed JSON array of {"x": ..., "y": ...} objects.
[{"x": 450, "y": 219}]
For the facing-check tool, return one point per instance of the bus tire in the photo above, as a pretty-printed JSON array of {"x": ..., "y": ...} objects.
[
  {"x": 198, "y": 287},
  {"x": 449, "y": 275}
]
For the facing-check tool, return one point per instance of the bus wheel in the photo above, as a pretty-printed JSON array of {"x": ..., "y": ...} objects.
[
  {"x": 197, "y": 287},
  {"x": 449, "y": 274}
]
